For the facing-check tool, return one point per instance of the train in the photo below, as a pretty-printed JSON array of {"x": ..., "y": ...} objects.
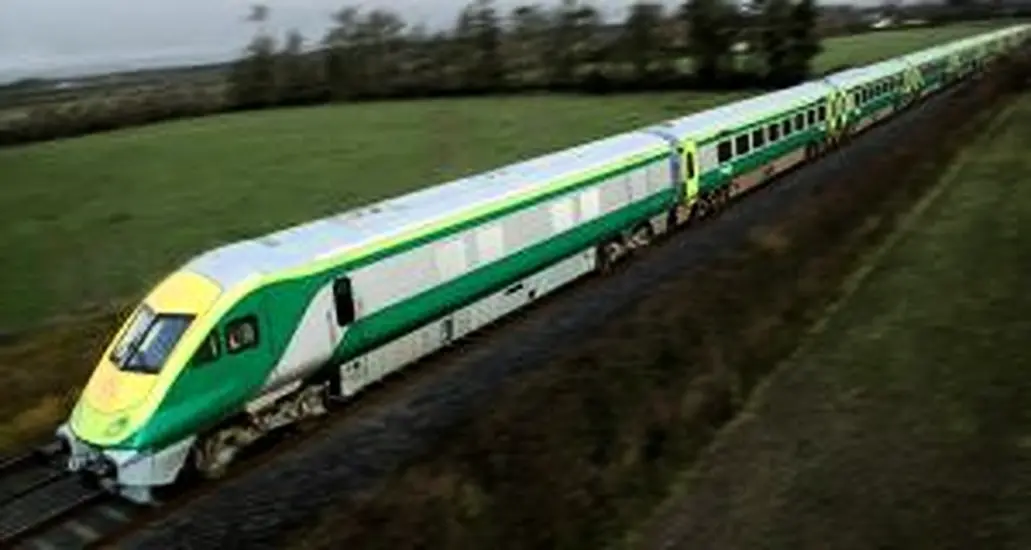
[{"x": 256, "y": 335}]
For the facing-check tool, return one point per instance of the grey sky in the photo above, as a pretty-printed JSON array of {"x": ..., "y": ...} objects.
[{"x": 58, "y": 37}]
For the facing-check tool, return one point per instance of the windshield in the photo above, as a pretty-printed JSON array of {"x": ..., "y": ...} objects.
[{"x": 149, "y": 340}]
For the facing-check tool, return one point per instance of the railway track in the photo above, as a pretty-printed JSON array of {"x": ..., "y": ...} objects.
[{"x": 43, "y": 507}]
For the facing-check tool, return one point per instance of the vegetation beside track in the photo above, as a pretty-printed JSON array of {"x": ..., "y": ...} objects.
[
  {"x": 904, "y": 421},
  {"x": 574, "y": 455}
]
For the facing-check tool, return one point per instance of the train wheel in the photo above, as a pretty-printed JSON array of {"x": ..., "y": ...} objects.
[
  {"x": 642, "y": 236},
  {"x": 725, "y": 196},
  {"x": 608, "y": 254},
  {"x": 677, "y": 217},
  {"x": 214, "y": 453}
]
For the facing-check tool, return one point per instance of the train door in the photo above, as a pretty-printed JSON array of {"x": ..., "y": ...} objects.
[
  {"x": 911, "y": 82},
  {"x": 689, "y": 162},
  {"x": 953, "y": 67},
  {"x": 837, "y": 112}
]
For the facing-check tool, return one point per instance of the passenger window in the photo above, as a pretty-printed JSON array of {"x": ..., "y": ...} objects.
[
  {"x": 786, "y": 127},
  {"x": 343, "y": 300},
  {"x": 821, "y": 113},
  {"x": 799, "y": 121},
  {"x": 242, "y": 334},
  {"x": 811, "y": 117},
  {"x": 758, "y": 138},
  {"x": 774, "y": 132},
  {"x": 723, "y": 153},
  {"x": 741, "y": 145},
  {"x": 208, "y": 350}
]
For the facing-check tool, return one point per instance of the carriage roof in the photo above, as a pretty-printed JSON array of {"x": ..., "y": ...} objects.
[
  {"x": 925, "y": 55},
  {"x": 354, "y": 229},
  {"x": 700, "y": 126},
  {"x": 862, "y": 75}
]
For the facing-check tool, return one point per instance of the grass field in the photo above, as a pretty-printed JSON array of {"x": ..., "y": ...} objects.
[
  {"x": 96, "y": 220},
  {"x": 904, "y": 422},
  {"x": 867, "y": 48}
]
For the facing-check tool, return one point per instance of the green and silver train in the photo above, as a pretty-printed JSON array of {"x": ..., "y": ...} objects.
[{"x": 259, "y": 334}]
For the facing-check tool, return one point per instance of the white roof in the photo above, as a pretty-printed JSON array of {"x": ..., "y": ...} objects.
[
  {"x": 861, "y": 75},
  {"x": 296, "y": 246},
  {"x": 923, "y": 56},
  {"x": 702, "y": 125}
]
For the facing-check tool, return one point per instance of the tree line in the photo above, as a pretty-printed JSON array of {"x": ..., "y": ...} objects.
[
  {"x": 701, "y": 44},
  {"x": 568, "y": 47}
]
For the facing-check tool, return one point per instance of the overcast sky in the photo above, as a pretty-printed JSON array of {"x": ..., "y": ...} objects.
[{"x": 59, "y": 37}]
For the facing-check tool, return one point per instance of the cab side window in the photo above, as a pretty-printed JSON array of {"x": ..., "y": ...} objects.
[
  {"x": 209, "y": 350},
  {"x": 242, "y": 334}
]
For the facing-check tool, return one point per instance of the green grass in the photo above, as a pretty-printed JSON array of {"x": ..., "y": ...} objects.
[
  {"x": 96, "y": 220},
  {"x": 866, "y": 48},
  {"x": 904, "y": 422}
]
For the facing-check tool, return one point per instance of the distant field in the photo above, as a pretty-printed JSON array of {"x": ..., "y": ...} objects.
[
  {"x": 905, "y": 422},
  {"x": 862, "y": 49},
  {"x": 99, "y": 218},
  {"x": 92, "y": 219}
]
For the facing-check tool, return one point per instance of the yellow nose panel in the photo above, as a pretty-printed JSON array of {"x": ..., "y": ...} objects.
[
  {"x": 184, "y": 292},
  {"x": 112, "y": 390}
]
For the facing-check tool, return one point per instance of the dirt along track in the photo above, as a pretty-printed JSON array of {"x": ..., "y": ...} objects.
[{"x": 251, "y": 509}]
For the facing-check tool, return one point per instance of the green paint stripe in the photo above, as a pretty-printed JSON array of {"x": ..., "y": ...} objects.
[{"x": 716, "y": 178}]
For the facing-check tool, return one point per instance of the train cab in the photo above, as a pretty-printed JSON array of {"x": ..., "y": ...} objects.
[{"x": 132, "y": 376}]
